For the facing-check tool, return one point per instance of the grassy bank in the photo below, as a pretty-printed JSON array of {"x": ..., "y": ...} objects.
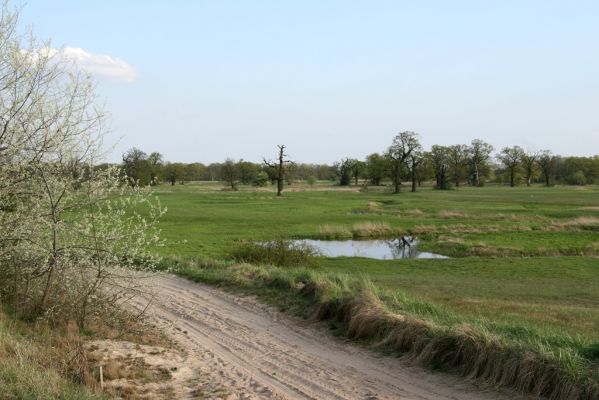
[
  {"x": 530, "y": 358},
  {"x": 37, "y": 362}
]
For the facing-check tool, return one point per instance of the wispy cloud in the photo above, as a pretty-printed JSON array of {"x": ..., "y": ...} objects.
[{"x": 100, "y": 65}]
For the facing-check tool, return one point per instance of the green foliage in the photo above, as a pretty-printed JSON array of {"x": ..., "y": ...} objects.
[
  {"x": 261, "y": 179},
  {"x": 576, "y": 178}
]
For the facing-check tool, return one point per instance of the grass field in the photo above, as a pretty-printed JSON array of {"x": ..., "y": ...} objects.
[
  {"x": 524, "y": 265},
  {"x": 203, "y": 221}
]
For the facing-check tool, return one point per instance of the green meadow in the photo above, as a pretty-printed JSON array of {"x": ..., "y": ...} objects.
[{"x": 523, "y": 270}]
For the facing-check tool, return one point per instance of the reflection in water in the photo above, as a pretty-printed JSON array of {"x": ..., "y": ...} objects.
[{"x": 399, "y": 248}]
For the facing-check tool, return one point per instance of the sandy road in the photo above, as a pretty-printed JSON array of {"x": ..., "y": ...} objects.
[{"x": 255, "y": 352}]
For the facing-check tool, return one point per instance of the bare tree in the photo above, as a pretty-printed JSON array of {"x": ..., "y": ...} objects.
[
  {"x": 280, "y": 168},
  {"x": 404, "y": 144},
  {"x": 511, "y": 158}
]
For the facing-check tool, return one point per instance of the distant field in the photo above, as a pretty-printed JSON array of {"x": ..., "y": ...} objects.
[
  {"x": 205, "y": 221},
  {"x": 524, "y": 266}
]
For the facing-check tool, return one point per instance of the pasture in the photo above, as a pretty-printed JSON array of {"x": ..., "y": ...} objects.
[{"x": 523, "y": 267}]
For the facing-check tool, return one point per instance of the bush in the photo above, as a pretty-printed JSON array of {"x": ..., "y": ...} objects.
[
  {"x": 260, "y": 180},
  {"x": 280, "y": 252}
]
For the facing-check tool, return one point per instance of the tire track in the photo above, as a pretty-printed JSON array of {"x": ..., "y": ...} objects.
[{"x": 257, "y": 353}]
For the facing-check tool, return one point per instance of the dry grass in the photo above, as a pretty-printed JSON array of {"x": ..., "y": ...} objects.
[
  {"x": 412, "y": 212},
  {"x": 334, "y": 232},
  {"x": 452, "y": 214},
  {"x": 587, "y": 223},
  {"x": 424, "y": 229},
  {"x": 371, "y": 229},
  {"x": 374, "y": 206},
  {"x": 465, "y": 350}
]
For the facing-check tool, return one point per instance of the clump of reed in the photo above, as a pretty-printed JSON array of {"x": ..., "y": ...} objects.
[{"x": 279, "y": 252}]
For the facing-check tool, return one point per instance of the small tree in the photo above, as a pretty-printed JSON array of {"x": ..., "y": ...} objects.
[
  {"x": 230, "y": 173},
  {"x": 511, "y": 158},
  {"x": 280, "y": 168},
  {"x": 404, "y": 144},
  {"x": 69, "y": 231}
]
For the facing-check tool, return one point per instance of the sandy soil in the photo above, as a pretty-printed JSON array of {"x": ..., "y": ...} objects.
[{"x": 245, "y": 350}]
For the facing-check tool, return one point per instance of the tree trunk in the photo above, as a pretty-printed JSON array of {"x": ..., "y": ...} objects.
[
  {"x": 414, "y": 181},
  {"x": 512, "y": 179},
  {"x": 397, "y": 186}
]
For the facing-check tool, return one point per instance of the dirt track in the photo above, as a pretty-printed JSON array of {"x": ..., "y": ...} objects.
[{"x": 254, "y": 352}]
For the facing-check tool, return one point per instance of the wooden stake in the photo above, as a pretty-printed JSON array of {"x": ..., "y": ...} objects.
[{"x": 101, "y": 378}]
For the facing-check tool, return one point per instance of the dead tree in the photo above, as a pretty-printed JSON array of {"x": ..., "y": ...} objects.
[{"x": 280, "y": 167}]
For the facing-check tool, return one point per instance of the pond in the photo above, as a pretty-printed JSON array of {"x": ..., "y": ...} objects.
[{"x": 390, "y": 249}]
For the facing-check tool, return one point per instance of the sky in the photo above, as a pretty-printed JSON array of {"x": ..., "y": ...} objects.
[{"x": 206, "y": 80}]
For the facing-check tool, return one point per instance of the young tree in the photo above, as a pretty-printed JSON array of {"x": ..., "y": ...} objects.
[
  {"x": 529, "y": 163},
  {"x": 280, "y": 168},
  {"x": 404, "y": 144},
  {"x": 511, "y": 158},
  {"x": 478, "y": 154},
  {"x": 66, "y": 235}
]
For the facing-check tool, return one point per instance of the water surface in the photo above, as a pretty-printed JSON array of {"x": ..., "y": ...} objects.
[{"x": 389, "y": 249}]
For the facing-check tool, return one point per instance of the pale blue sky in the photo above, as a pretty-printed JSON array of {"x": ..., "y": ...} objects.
[{"x": 206, "y": 80}]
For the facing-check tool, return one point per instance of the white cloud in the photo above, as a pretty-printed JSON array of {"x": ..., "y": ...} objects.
[{"x": 101, "y": 65}]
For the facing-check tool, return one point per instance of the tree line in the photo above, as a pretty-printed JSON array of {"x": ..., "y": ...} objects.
[{"x": 405, "y": 161}]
